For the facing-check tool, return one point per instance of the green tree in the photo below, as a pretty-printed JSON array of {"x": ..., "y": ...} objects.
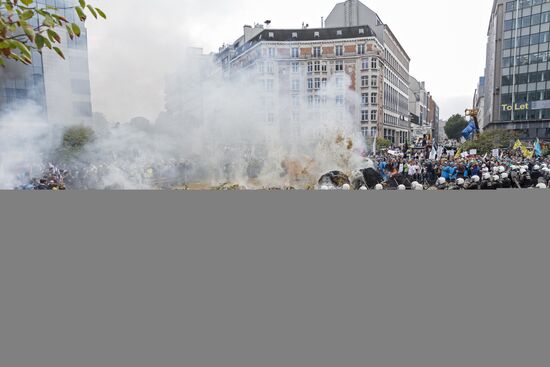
[
  {"x": 75, "y": 138},
  {"x": 382, "y": 144},
  {"x": 455, "y": 126},
  {"x": 491, "y": 139},
  {"x": 27, "y": 24}
]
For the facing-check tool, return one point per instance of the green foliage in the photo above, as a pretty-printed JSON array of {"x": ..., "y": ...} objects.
[
  {"x": 75, "y": 138},
  {"x": 382, "y": 144},
  {"x": 26, "y": 25},
  {"x": 491, "y": 139},
  {"x": 455, "y": 126}
]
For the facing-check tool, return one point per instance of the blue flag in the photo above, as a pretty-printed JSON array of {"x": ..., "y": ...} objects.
[
  {"x": 469, "y": 130},
  {"x": 538, "y": 149}
]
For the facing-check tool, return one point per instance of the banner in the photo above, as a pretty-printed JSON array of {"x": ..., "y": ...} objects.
[
  {"x": 518, "y": 145},
  {"x": 538, "y": 149},
  {"x": 433, "y": 154},
  {"x": 439, "y": 152},
  {"x": 473, "y": 152},
  {"x": 469, "y": 130},
  {"x": 496, "y": 153},
  {"x": 526, "y": 152}
]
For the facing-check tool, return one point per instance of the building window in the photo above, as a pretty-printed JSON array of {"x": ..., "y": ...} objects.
[
  {"x": 271, "y": 52},
  {"x": 270, "y": 68},
  {"x": 269, "y": 85},
  {"x": 294, "y": 34},
  {"x": 361, "y": 30},
  {"x": 271, "y": 117},
  {"x": 373, "y": 115},
  {"x": 261, "y": 68},
  {"x": 339, "y": 50},
  {"x": 316, "y": 35},
  {"x": 295, "y": 52},
  {"x": 361, "y": 49},
  {"x": 316, "y": 51},
  {"x": 365, "y": 99},
  {"x": 295, "y": 67},
  {"x": 339, "y": 100},
  {"x": 317, "y": 83},
  {"x": 374, "y": 82},
  {"x": 296, "y": 85},
  {"x": 339, "y": 81},
  {"x": 338, "y": 32},
  {"x": 310, "y": 67},
  {"x": 317, "y": 66},
  {"x": 364, "y": 115},
  {"x": 374, "y": 63},
  {"x": 374, "y": 98},
  {"x": 82, "y": 109},
  {"x": 365, "y": 131},
  {"x": 324, "y": 82},
  {"x": 365, "y": 64},
  {"x": 373, "y": 131},
  {"x": 324, "y": 67},
  {"x": 365, "y": 81},
  {"x": 339, "y": 66},
  {"x": 310, "y": 83}
]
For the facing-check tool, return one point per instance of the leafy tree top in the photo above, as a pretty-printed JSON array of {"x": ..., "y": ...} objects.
[
  {"x": 454, "y": 127},
  {"x": 27, "y": 25}
]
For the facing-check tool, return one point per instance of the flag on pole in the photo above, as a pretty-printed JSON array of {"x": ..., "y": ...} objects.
[
  {"x": 469, "y": 130},
  {"x": 518, "y": 144},
  {"x": 538, "y": 149},
  {"x": 433, "y": 153},
  {"x": 458, "y": 154}
]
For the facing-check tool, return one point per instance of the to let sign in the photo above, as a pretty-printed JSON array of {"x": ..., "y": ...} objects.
[{"x": 515, "y": 107}]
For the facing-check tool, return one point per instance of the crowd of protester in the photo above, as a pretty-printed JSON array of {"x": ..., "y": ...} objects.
[{"x": 509, "y": 170}]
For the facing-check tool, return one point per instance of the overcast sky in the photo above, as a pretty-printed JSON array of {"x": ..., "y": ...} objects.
[{"x": 131, "y": 53}]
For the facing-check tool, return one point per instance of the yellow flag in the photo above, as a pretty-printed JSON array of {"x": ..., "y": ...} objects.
[
  {"x": 527, "y": 153},
  {"x": 518, "y": 145},
  {"x": 458, "y": 154}
]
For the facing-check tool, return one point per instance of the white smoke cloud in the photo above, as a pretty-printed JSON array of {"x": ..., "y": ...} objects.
[
  {"x": 217, "y": 130},
  {"x": 27, "y": 141}
]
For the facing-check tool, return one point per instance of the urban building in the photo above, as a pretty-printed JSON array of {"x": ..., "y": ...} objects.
[
  {"x": 517, "y": 73},
  {"x": 60, "y": 88},
  {"x": 395, "y": 124},
  {"x": 418, "y": 109},
  {"x": 433, "y": 117},
  {"x": 479, "y": 101},
  {"x": 442, "y": 136},
  {"x": 302, "y": 70},
  {"x": 184, "y": 92}
]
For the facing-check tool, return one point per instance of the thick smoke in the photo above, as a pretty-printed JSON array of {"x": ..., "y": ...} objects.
[
  {"x": 215, "y": 130},
  {"x": 26, "y": 144}
]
